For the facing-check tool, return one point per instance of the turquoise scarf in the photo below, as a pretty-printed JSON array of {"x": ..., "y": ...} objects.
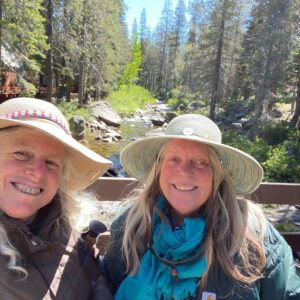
[{"x": 154, "y": 278}]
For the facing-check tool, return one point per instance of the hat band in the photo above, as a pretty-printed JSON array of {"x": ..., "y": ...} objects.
[
  {"x": 37, "y": 114},
  {"x": 189, "y": 132}
]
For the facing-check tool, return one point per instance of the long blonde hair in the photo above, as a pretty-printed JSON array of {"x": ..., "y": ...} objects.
[{"x": 235, "y": 226}]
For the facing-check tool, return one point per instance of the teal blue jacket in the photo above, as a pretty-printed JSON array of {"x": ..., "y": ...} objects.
[{"x": 280, "y": 279}]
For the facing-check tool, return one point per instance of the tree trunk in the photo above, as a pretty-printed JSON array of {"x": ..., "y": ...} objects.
[
  {"x": 82, "y": 60},
  {"x": 261, "y": 93},
  {"x": 216, "y": 80},
  {"x": 295, "y": 120},
  {"x": 49, "y": 54}
]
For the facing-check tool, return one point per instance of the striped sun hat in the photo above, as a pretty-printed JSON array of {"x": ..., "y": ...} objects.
[
  {"x": 138, "y": 157},
  {"x": 43, "y": 116}
]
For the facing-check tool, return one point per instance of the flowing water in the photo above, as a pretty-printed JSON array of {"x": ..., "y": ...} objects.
[{"x": 130, "y": 130}]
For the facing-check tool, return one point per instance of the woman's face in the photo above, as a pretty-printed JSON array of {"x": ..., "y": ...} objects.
[
  {"x": 30, "y": 168},
  {"x": 186, "y": 175}
]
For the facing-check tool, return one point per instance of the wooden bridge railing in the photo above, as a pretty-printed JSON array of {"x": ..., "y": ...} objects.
[{"x": 114, "y": 189}]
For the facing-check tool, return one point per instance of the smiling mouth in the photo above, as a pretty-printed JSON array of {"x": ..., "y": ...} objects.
[
  {"x": 184, "y": 188},
  {"x": 27, "y": 189}
]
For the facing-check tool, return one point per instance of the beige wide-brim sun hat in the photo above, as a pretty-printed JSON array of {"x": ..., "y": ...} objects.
[
  {"x": 87, "y": 166},
  {"x": 138, "y": 157}
]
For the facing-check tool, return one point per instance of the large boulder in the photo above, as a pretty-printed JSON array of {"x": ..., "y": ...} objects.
[
  {"x": 171, "y": 115},
  {"x": 77, "y": 127},
  {"x": 158, "y": 120},
  {"x": 104, "y": 111}
]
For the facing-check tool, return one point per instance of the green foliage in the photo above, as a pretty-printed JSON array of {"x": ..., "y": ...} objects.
[
  {"x": 131, "y": 73},
  {"x": 285, "y": 227},
  {"x": 128, "y": 98},
  {"x": 276, "y": 132},
  {"x": 281, "y": 162},
  {"x": 257, "y": 148},
  {"x": 29, "y": 88},
  {"x": 176, "y": 103},
  {"x": 281, "y": 167},
  {"x": 70, "y": 109},
  {"x": 24, "y": 32}
]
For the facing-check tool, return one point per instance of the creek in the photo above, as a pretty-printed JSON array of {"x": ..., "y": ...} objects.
[{"x": 131, "y": 129}]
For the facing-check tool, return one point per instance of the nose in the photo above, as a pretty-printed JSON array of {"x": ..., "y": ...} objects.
[
  {"x": 185, "y": 167},
  {"x": 36, "y": 169}
]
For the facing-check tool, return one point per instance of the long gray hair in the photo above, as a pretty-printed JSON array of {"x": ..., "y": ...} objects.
[
  {"x": 71, "y": 210},
  {"x": 230, "y": 229}
]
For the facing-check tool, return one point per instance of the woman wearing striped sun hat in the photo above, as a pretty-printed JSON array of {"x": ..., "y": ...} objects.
[
  {"x": 190, "y": 233},
  {"x": 41, "y": 170}
]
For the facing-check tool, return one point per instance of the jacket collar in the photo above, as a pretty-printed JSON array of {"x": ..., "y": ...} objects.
[{"x": 32, "y": 235}]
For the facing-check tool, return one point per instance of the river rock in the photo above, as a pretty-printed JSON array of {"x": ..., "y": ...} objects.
[
  {"x": 116, "y": 136},
  {"x": 104, "y": 111},
  {"x": 237, "y": 126},
  {"x": 275, "y": 113},
  {"x": 193, "y": 106},
  {"x": 158, "y": 120},
  {"x": 77, "y": 126},
  {"x": 170, "y": 115}
]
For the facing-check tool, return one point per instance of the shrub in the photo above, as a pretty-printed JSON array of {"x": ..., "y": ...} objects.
[
  {"x": 276, "y": 132},
  {"x": 128, "y": 99},
  {"x": 281, "y": 167},
  {"x": 71, "y": 109},
  {"x": 257, "y": 148}
]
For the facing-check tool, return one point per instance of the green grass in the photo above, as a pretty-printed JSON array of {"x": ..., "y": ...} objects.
[
  {"x": 70, "y": 109},
  {"x": 129, "y": 98}
]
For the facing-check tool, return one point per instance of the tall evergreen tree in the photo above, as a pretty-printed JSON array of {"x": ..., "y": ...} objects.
[
  {"x": 162, "y": 35},
  {"x": 268, "y": 44},
  {"x": 23, "y": 32},
  {"x": 212, "y": 49},
  {"x": 134, "y": 28},
  {"x": 295, "y": 122},
  {"x": 179, "y": 24},
  {"x": 144, "y": 31},
  {"x": 48, "y": 4}
]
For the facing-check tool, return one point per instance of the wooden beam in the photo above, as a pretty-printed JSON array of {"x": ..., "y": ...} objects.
[
  {"x": 113, "y": 189},
  {"x": 277, "y": 193}
]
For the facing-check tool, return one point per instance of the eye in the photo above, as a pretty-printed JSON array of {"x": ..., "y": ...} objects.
[
  {"x": 53, "y": 164},
  {"x": 172, "y": 159},
  {"x": 21, "y": 155},
  {"x": 200, "y": 163}
]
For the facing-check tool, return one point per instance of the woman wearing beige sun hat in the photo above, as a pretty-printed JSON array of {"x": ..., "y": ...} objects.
[
  {"x": 189, "y": 233},
  {"x": 41, "y": 170}
]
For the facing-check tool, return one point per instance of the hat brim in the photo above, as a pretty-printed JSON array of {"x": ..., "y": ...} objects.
[
  {"x": 138, "y": 158},
  {"x": 87, "y": 165}
]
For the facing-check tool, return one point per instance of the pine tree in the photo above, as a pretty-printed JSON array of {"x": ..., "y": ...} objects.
[
  {"x": 268, "y": 45},
  {"x": 23, "y": 33},
  {"x": 131, "y": 73},
  {"x": 134, "y": 28},
  {"x": 161, "y": 37}
]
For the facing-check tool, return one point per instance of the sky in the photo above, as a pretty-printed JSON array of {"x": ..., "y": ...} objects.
[{"x": 153, "y": 11}]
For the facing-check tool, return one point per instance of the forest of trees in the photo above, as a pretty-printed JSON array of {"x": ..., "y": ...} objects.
[
  {"x": 214, "y": 52},
  {"x": 227, "y": 50},
  {"x": 70, "y": 45}
]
